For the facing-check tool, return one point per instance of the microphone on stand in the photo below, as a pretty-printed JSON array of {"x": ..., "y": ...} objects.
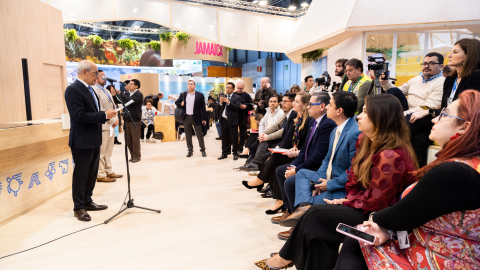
[{"x": 105, "y": 78}]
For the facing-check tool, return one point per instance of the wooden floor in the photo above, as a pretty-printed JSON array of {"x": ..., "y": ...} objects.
[{"x": 208, "y": 220}]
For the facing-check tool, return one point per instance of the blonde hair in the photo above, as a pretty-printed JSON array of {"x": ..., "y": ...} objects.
[{"x": 305, "y": 98}]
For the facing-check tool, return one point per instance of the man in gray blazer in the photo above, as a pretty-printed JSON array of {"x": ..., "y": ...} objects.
[{"x": 105, "y": 172}]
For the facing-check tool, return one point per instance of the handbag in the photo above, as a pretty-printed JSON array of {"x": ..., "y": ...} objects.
[
  {"x": 158, "y": 135},
  {"x": 180, "y": 112}
]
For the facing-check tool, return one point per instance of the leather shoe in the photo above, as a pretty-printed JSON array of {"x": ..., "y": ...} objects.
[
  {"x": 82, "y": 215},
  {"x": 265, "y": 189},
  {"x": 114, "y": 175},
  {"x": 218, "y": 138},
  {"x": 268, "y": 194},
  {"x": 204, "y": 154},
  {"x": 222, "y": 157},
  {"x": 285, "y": 235},
  {"x": 250, "y": 167},
  {"x": 235, "y": 157},
  {"x": 95, "y": 207},
  {"x": 277, "y": 219},
  {"x": 190, "y": 153},
  {"x": 106, "y": 179},
  {"x": 292, "y": 220},
  {"x": 273, "y": 254},
  {"x": 135, "y": 160}
]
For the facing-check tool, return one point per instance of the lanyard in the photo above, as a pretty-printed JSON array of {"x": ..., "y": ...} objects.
[
  {"x": 454, "y": 89},
  {"x": 353, "y": 89},
  {"x": 105, "y": 92}
]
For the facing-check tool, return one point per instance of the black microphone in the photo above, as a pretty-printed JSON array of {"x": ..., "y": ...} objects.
[{"x": 110, "y": 80}]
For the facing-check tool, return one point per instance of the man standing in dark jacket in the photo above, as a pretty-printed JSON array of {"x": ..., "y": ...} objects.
[
  {"x": 86, "y": 121},
  {"x": 135, "y": 109},
  {"x": 229, "y": 122},
  {"x": 263, "y": 95},
  {"x": 246, "y": 105}
]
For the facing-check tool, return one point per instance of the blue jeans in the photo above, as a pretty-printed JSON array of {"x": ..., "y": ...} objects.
[{"x": 219, "y": 129}]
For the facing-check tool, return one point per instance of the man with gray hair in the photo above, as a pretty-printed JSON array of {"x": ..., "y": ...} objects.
[
  {"x": 86, "y": 119},
  {"x": 246, "y": 105},
  {"x": 263, "y": 95}
]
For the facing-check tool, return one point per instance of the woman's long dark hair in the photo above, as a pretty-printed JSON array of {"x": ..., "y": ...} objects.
[
  {"x": 391, "y": 132},
  {"x": 471, "y": 47}
]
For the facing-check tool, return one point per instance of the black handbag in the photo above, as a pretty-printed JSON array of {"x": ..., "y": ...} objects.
[
  {"x": 180, "y": 112},
  {"x": 158, "y": 136}
]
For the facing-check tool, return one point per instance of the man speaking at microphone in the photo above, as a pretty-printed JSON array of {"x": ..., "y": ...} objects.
[{"x": 86, "y": 121}]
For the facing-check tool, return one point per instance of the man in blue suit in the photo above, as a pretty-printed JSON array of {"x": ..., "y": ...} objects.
[{"x": 331, "y": 178}]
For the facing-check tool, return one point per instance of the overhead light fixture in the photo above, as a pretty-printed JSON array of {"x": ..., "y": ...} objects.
[
  {"x": 254, "y": 1},
  {"x": 292, "y": 7},
  {"x": 304, "y": 4},
  {"x": 136, "y": 26},
  {"x": 105, "y": 25},
  {"x": 262, "y": 3}
]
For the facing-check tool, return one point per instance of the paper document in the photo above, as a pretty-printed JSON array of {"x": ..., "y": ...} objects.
[
  {"x": 111, "y": 132},
  {"x": 277, "y": 150},
  {"x": 253, "y": 130},
  {"x": 119, "y": 108}
]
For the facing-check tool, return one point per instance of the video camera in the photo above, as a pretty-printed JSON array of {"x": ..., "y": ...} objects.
[
  {"x": 379, "y": 66},
  {"x": 324, "y": 80}
]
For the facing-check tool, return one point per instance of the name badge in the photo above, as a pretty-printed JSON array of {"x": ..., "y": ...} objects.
[{"x": 403, "y": 240}]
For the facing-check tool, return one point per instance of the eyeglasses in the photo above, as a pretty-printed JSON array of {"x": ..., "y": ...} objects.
[
  {"x": 94, "y": 72},
  {"x": 284, "y": 101},
  {"x": 442, "y": 113},
  {"x": 430, "y": 64},
  {"x": 314, "y": 104}
]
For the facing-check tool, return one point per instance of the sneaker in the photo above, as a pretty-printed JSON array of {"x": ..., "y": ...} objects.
[
  {"x": 182, "y": 136},
  {"x": 152, "y": 140}
]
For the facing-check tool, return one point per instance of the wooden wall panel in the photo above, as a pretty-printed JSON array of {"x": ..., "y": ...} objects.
[
  {"x": 33, "y": 30},
  {"x": 177, "y": 50},
  {"x": 222, "y": 71}
]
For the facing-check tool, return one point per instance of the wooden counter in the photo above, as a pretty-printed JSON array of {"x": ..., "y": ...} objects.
[
  {"x": 35, "y": 164},
  {"x": 166, "y": 124}
]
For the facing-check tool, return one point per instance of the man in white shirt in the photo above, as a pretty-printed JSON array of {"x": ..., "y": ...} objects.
[
  {"x": 274, "y": 113},
  {"x": 424, "y": 91}
]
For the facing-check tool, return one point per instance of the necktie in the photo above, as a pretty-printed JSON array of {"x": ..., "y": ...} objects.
[
  {"x": 94, "y": 97},
  {"x": 310, "y": 139},
  {"x": 329, "y": 168}
]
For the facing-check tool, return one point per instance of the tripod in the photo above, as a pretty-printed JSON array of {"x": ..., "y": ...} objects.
[{"x": 129, "y": 203}]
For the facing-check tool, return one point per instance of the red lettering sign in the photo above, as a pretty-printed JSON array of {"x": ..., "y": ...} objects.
[{"x": 208, "y": 49}]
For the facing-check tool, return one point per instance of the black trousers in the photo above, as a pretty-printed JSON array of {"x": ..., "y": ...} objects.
[
  {"x": 242, "y": 124},
  {"x": 351, "y": 256},
  {"x": 401, "y": 97},
  {"x": 229, "y": 137},
  {"x": 262, "y": 149},
  {"x": 151, "y": 129},
  {"x": 314, "y": 241},
  {"x": 268, "y": 172},
  {"x": 189, "y": 125},
  {"x": 84, "y": 176},
  {"x": 251, "y": 140},
  {"x": 419, "y": 136}
]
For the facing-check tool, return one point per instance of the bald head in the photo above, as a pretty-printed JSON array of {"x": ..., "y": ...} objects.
[
  {"x": 87, "y": 71},
  {"x": 264, "y": 81},
  {"x": 240, "y": 86}
]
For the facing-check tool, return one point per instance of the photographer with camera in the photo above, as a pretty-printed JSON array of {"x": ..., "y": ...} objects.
[
  {"x": 424, "y": 91},
  {"x": 263, "y": 95},
  {"x": 357, "y": 83}
]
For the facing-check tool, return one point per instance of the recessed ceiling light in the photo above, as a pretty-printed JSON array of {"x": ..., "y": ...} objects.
[
  {"x": 136, "y": 26},
  {"x": 304, "y": 4},
  {"x": 104, "y": 25},
  {"x": 254, "y": 1},
  {"x": 292, "y": 7},
  {"x": 262, "y": 3},
  {"x": 135, "y": 10}
]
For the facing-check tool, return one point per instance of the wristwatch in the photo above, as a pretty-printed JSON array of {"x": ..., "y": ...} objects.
[{"x": 431, "y": 112}]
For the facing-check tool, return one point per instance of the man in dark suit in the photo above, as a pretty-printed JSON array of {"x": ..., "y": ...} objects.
[
  {"x": 195, "y": 116},
  {"x": 229, "y": 121},
  {"x": 135, "y": 109},
  {"x": 246, "y": 105},
  {"x": 156, "y": 99},
  {"x": 311, "y": 155},
  {"x": 86, "y": 121}
]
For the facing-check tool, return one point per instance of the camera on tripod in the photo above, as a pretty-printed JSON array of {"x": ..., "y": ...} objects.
[{"x": 379, "y": 67}]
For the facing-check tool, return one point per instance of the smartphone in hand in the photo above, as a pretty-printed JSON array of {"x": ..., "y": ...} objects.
[{"x": 356, "y": 234}]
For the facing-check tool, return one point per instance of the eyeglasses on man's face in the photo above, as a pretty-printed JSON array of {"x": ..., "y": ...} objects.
[
  {"x": 430, "y": 64},
  {"x": 444, "y": 112},
  {"x": 94, "y": 72},
  {"x": 314, "y": 104},
  {"x": 285, "y": 101}
]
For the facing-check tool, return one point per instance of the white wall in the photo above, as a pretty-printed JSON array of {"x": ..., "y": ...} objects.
[{"x": 350, "y": 48}]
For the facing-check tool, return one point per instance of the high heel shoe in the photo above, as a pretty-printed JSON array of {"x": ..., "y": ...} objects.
[
  {"x": 259, "y": 187},
  {"x": 273, "y": 212},
  {"x": 264, "y": 265}
]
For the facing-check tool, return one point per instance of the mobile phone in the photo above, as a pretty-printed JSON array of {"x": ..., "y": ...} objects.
[
  {"x": 356, "y": 234},
  {"x": 312, "y": 185}
]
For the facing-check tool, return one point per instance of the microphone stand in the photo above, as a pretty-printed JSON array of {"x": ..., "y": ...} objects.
[{"x": 129, "y": 203}]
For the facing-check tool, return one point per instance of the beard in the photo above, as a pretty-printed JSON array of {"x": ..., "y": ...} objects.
[{"x": 340, "y": 73}]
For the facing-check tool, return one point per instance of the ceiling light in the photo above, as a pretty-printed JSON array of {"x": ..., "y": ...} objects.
[
  {"x": 136, "y": 26},
  {"x": 104, "y": 25},
  {"x": 254, "y": 1},
  {"x": 134, "y": 10},
  {"x": 304, "y": 4},
  {"x": 262, "y": 3},
  {"x": 292, "y": 7}
]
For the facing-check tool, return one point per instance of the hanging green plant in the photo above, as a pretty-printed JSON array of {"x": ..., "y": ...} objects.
[
  {"x": 229, "y": 49},
  {"x": 183, "y": 37},
  {"x": 125, "y": 43},
  {"x": 312, "y": 56},
  {"x": 96, "y": 40},
  {"x": 71, "y": 34},
  {"x": 155, "y": 45},
  {"x": 167, "y": 37}
]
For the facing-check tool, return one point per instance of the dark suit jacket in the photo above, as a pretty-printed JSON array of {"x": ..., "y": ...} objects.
[
  {"x": 471, "y": 82},
  {"x": 135, "y": 108},
  {"x": 199, "y": 109},
  {"x": 245, "y": 99},
  {"x": 232, "y": 110},
  {"x": 288, "y": 130},
  {"x": 85, "y": 120},
  {"x": 318, "y": 147}
]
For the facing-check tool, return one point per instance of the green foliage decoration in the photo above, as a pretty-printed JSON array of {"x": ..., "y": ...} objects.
[
  {"x": 183, "y": 37},
  {"x": 125, "y": 43},
  {"x": 96, "y": 40},
  {"x": 70, "y": 34},
  {"x": 167, "y": 37},
  {"x": 313, "y": 56},
  {"x": 155, "y": 45},
  {"x": 229, "y": 49}
]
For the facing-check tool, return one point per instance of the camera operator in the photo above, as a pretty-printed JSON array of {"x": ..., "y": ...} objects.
[
  {"x": 309, "y": 84},
  {"x": 340, "y": 72},
  {"x": 358, "y": 83},
  {"x": 263, "y": 95},
  {"x": 424, "y": 91}
]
